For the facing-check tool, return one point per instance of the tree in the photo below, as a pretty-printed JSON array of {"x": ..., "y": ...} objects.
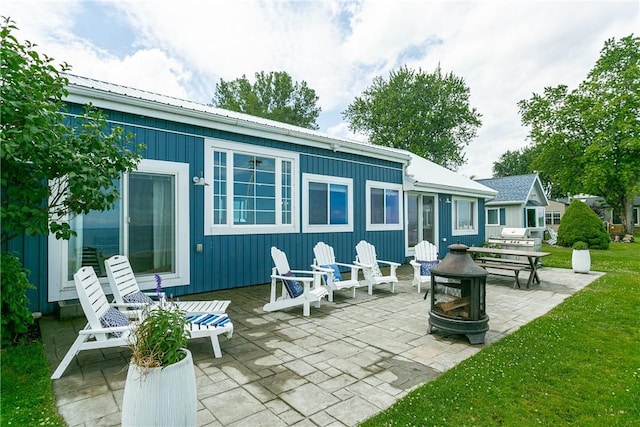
[
  {"x": 52, "y": 168},
  {"x": 427, "y": 114},
  {"x": 589, "y": 138},
  {"x": 273, "y": 96},
  {"x": 514, "y": 162},
  {"x": 581, "y": 224}
]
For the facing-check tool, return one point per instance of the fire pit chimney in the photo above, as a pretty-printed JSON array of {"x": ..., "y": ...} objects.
[{"x": 458, "y": 296}]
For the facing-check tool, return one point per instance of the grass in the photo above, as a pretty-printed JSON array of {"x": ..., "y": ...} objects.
[
  {"x": 27, "y": 396},
  {"x": 577, "y": 365}
]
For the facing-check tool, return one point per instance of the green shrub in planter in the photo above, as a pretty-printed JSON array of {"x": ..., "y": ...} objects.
[
  {"x": 580, "y": 224},
  {"x": 580, "y": 246},
  {"x": 159, "y": 339},
  {"x": 14, "y": 284}
]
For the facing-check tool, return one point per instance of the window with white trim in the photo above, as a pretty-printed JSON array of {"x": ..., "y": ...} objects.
[
  {"x": 552, "y": 217},
  {"x": 252, "y": 189},
  {"x": 535, "y": 217},
  {"x": 327, "y": 203},
  {"x": 493, "y": 216},
  {"x": 384, "y": 206},
  {"x": 146, "y": 224},
  {"x": 636, "y": 216},
  {"x": 465, "y": 216}
]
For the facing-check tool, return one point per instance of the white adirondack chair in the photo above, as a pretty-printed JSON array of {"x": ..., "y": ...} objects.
[
  {"x": 98, "y": 311},
  {"x": 292, "y": 293},
  {"x": 426, "y": 256},
  {"x": 126, "y": 290},
  {"x": 553, "y": 236},
  {"x": 95, "y": 306},
  {"x": 325, "y": 261},
  {"x": 367, "y": 259}
]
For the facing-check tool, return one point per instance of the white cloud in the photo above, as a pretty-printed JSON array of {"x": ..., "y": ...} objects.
[{"x": 504, "y": 50}]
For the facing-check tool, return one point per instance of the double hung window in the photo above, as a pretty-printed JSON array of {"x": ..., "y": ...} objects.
[
  {"x": 493, "y": 216},
  {"x": 465, "y": 216}
]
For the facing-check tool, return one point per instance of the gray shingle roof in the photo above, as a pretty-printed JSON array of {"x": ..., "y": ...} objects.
[{"x": 511, "y": 188}]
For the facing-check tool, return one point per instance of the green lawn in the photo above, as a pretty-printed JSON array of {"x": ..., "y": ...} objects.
[
  {"x": 27, "y": 397},
  {"x": 578, "y": 365}
]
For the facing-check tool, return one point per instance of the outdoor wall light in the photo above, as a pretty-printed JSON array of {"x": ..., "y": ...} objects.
[{"x": 199, "y": 180}]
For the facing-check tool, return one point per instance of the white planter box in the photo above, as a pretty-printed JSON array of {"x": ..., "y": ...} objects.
[
  {"x": 160, "y": 396},
  {"x": 581, "y": 261}
]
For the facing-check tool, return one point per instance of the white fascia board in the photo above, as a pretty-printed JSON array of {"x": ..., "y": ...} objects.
[
  {"x": 127, "y": 104},
  {"x": 458, "y": 191}
]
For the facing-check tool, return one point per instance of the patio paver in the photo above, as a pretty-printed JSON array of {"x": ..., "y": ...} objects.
[{"x": 349, "y": 360}]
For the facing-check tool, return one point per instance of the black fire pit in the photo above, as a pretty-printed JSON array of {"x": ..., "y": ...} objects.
[{"x": 458, "y": 296}]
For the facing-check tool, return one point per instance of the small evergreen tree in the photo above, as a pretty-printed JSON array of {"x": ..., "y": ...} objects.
[{"x": 580, "y": 223}]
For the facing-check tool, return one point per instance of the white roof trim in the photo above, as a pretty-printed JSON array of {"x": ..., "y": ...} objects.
[{"x": 120, "y": 98}]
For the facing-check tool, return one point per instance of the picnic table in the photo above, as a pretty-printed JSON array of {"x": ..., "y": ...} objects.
[{"x": 520, "y": 260}]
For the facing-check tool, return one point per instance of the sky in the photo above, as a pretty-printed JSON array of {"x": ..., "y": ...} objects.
[{"x": 505, "y": 50}]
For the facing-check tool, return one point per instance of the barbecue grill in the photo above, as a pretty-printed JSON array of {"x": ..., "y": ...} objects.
[{"x": 516, "y": 238}]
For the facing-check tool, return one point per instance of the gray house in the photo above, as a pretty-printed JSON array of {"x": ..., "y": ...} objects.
[{"x": 520, "y": 203}]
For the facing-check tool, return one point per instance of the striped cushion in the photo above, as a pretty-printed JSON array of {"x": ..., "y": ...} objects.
[{"x": 209, "y": 320}]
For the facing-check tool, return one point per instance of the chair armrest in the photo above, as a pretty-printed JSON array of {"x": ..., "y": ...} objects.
[
  {"x": 352, "y": 266},
  {"x": 361, "y": 265},
  {"x": 390, "y": 263},
  {"x": 324, "y": 270},
  {"x": 414, "y": 263},
  {"x": 105, "y": 330}
]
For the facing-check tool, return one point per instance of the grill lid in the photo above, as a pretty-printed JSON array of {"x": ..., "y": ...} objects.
[{"x": 513, "y": 233}]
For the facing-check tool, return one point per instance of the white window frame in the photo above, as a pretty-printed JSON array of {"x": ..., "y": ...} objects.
[
  {"x": 230, "y": 228},
  {"x": 60, "y": 288},
  {"x": 326, "y": 179},
  {"x": 384, "y": 186},
  {"x": 497, "y": 216},
  {"x": 636, "y": 216},
  {"x": 539, "y": 218},
  {"x": 466, "y": 231}
]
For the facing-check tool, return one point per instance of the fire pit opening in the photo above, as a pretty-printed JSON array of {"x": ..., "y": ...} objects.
[{"x": 458, "y": 296}]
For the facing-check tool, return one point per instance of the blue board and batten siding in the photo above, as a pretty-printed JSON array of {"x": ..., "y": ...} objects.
[{"x": 229, "y": 261}]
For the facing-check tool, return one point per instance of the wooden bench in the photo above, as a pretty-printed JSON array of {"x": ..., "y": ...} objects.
[{"x": 505, "y": 264}]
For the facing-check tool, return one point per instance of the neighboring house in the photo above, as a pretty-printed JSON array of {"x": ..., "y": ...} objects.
[
  {"x": 554, "y": 212},
  {"x": 520, "y": 203},
  {"x": 216, "y": 189},
  {"x": 608, "y": 214},
  {"x": 443, "y": 207}
]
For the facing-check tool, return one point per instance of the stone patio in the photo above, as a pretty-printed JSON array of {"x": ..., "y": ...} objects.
[{"x": 346, "y": 362}]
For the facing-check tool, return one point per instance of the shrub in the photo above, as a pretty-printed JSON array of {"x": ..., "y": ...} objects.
[
  {"x": 159, "y": 339},
  {"x": 16, "y": 316},
  {"x": 580, "y": 246},
  {"x": 580, "y": 223}
]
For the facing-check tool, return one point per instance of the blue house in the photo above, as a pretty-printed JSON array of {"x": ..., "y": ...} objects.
[{"x": 216, "y": 189}]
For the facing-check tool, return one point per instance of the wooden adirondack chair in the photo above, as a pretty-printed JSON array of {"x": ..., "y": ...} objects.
[
  {"x": 367, "y": 259},
  {"x": 292, "y": 292},
  {"x": 325, "y": 261},
  {"x": 426, "y": 256},
  {"x": 126, "y": 290}
]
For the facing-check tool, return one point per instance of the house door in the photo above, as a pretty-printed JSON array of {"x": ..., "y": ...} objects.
[{"x": 421, "y": 215}]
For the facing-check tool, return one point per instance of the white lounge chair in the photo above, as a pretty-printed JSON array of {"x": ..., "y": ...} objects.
[
  {"x": 126, "y": 290},
  {"x": 292, "y": 293},
  {"x": 325, "y": 261},
  {"x": 367, "y": 259},
  {"x": 100, "y": 315},
  {"x": 426, "y": 257},
  {"x": 553, "y": 236},
  {"x": 110, "y": 327}
]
